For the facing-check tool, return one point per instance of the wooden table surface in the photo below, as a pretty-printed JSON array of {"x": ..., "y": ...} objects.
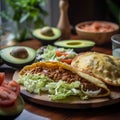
[{"x": 34, "y": 111}]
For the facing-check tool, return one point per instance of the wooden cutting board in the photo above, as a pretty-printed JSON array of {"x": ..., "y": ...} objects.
[{"x": 71, "y": 102}]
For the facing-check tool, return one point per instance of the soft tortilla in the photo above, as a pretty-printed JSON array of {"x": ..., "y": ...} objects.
[{"x": 97, "y": 66}]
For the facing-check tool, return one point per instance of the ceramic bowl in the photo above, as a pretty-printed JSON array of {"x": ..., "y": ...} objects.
[{"x": 98, "y": 31}]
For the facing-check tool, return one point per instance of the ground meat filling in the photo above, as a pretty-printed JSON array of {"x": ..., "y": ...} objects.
[{"x": 59, "y": 73}]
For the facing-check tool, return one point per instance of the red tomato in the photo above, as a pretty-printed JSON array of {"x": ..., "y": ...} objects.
[
  {"x": 59, "y": 53},
  {"x": 2, "y": 77},
  {"x": 68, "y": 61},
  {"x": 12, "y": 85},
  {"x": 7, "y": 96},
  {"x": 15, "y": 87}
]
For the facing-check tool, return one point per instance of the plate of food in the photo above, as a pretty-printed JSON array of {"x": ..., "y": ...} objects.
[
  {"x": 11, "y": 103},
  {"x": 58, "y": 84}
]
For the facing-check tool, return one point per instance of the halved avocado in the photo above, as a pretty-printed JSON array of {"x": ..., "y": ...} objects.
[
  {"x": 47, "y": 35},
  {"x": 18, "y": 56},
  {"x": 77, "y": 45},
  {"x": 11, "y": 112}
]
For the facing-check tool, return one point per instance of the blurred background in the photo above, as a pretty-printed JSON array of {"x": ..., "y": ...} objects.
[
  {"x": 78, "y": 11},
  {"x": 81, "y": 10},
  {"x": 86, "y": 10}
]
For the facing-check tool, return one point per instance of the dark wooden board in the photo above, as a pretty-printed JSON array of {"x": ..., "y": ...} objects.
[{"x": 71, "y": 102}]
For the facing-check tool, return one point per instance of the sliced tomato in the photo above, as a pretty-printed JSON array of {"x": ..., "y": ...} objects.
[
  {"x": 7, "y": 96},
  {"x": 12, "y": 85},
  {"x": 59, "y": 53},
  {"x": 2, "y": 77},
  {"x": 68, "y": 61}
]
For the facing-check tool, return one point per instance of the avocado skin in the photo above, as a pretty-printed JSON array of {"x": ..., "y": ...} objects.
[
  {"x": 46, "y": 42},
  {"x": 15, "y": 63},
  {"x": 82, "y": 49},
  {"x": 18, "y": 65},
  {"x": 1, "y": 62},
  {"x": 18, "y": 108}
]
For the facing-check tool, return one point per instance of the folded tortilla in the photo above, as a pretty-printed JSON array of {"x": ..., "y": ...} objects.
[
  {"x": 61, "y": 71},
  {"x": 95, "y": 66}
]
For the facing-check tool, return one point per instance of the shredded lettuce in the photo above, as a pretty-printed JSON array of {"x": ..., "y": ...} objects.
[
  {"x": 38, "y": 83},
  {"x": 34, "y": 83},
  {"x": 61, "y": 90}
]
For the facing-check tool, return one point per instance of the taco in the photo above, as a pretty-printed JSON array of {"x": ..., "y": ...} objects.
[
  {"x": 57, "y": 71},
  {"x": 95, "y": 66}
]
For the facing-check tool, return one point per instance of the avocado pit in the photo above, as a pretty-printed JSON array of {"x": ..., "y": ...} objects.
[
  {"x": 19, "y": 52},
  {"x": 73, "y": 43},
  {"x": 47, "y": 31}
]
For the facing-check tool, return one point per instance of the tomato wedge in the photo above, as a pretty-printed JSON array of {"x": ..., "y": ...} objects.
[
  {"x": 68, "y": 61},
  {"x": 9, "y": 91},
  {"x": 59, "y": 53},
  {"x": 12, "y": 85},
  {"x": 7, "y": 96},
  {"x": 2, "y": 77}
]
